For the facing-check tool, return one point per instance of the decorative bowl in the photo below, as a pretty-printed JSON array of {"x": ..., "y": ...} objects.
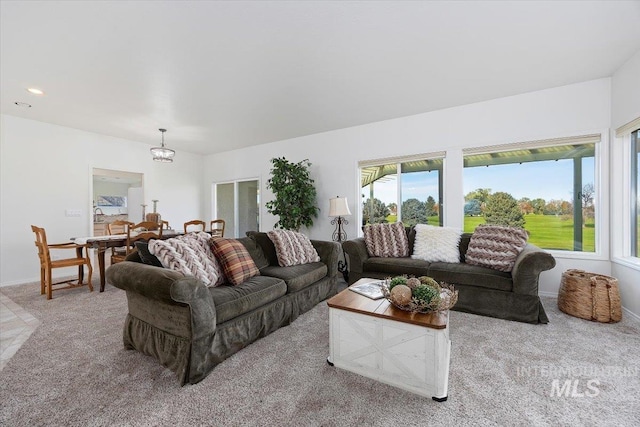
[{"x": 446, "y": 296}]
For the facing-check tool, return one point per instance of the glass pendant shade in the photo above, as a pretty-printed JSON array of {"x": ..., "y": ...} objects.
[{"x": 162, "y": 153}]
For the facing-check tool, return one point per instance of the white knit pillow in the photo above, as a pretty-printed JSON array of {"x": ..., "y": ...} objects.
[
  {"x": 437, "y": 244},
  {"x": 191, "y": 255}
]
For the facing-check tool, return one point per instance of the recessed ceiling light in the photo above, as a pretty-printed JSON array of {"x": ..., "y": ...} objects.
[
  {"x": 22, "y": 104},
  {"x": 35, "y": 91}
]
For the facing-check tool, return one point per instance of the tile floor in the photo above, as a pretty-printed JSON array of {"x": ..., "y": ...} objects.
[{"x": 16, "y": 325}]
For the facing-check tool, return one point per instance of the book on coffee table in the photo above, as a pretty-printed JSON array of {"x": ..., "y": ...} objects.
[{"x": 371, "y": 290}]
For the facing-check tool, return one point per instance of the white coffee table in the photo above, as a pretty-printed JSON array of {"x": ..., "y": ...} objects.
[{"x": 379, "y": 341}]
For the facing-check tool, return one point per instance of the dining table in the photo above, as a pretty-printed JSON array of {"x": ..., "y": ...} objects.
[{"x": 102, "y": 243}]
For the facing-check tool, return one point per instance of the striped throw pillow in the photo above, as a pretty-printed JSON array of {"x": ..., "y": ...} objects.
[
  {"x": 237, "y": 264},
  {"x": 496, "y": 246},
  {"x": 386, "y": 240},
  {"x": 292, "y": 248}
]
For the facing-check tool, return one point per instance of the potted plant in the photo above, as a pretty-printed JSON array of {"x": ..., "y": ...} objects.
[{"x": 295, "y": 201}]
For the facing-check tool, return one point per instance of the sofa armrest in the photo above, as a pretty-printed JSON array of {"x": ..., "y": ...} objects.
[
  {"x": 169, "y": 287},
  {"x": 526, "y": 271},
  {"x": 356, "y": 249},
  {"x": 329, "y": 253}
]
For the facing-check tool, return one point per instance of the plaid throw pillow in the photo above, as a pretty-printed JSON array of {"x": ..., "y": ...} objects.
[
  {"x": 237, "y": 264},
  {"x": 386, "y": 240},
  {"x": 496, "y": 246},
  {"x": 293, "y": 248}
]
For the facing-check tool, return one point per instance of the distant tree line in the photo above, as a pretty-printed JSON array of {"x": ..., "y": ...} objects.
[
  {"x": 502, "y": 208},
  {"x": 497, "y": 208},
  {"x": 413, "y": 211}
]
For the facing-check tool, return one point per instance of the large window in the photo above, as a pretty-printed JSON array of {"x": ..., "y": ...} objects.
[
  {"x": 404, "y": 189},
  {"x": 546, "y": 187},
  {"x": 635, "y": 200}
]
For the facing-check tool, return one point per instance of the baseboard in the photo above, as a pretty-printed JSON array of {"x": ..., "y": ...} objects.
[
  {"x": 630, "y": 313},
  {"x": 21, "y": 282},
  {"x": 548, "y": 294},
  {"x": 624, "y": 309}
]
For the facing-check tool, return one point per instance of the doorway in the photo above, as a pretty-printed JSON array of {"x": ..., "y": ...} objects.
[
  {"x": 238, "y": 203},
  {"x": 117, "y": 195}
]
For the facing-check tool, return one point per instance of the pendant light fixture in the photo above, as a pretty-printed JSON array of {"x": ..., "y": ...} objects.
[{"x": 162, "y": 153}]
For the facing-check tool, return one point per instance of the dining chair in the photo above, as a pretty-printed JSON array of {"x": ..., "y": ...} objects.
[
  {"x": 165, "y": 225},
  {"x": 143, "y": 231},
  {"x": 118, "y": 227},
  {"x": 194, "y": 223},
  {"x": 217, "y": 228},
  {"x": 47, "y": 264}
]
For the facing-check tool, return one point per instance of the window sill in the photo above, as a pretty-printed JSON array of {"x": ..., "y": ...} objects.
[
  {"x": 577, "y": 255},
  {"x": 630, "y": 262}
]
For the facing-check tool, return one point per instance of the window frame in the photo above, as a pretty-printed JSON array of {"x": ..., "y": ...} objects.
[
  {"x": 398, "y": 161},
  {"x": 601, "y": 199},
  {"x": 634, "y": 146},
  {"x": 621, "y": 254}
]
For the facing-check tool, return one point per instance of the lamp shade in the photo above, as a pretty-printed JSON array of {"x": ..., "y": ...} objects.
[{"x": 338, "y": 207}]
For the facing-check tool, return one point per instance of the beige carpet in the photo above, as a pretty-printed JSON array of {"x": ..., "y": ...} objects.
[{"x": 73, "y": 370}]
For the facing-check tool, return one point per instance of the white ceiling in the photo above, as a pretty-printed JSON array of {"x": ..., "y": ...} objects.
[{"x": 224, "y": 75}]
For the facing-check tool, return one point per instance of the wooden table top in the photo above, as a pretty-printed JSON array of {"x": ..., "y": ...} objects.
[{"x": 352, "y": 301}]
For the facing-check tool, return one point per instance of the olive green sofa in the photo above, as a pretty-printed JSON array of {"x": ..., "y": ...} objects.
[
  {"x": 190, "y": 328},
  {"x": 484, "y": 291}
]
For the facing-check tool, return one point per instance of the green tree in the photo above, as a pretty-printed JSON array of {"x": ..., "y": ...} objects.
[
  {"x": 295, "y": 193},
  {"x": 480, "y": 194},
  {"x": 472, "y": 208},
  {"x": 525, "y": 205},
  {"x": 538, "y": 205},
  {"x": 502, "y": 209},
  {"x": 430, "y": 207},
  {"x": 374, "y": 212},
  {"x": 413, "y": 212}
]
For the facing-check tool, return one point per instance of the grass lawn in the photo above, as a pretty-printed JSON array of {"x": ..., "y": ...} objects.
[{"x": 548, "y": 231}]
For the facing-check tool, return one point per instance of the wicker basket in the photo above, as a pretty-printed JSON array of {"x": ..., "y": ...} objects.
[{"x": 590, "y": 296}]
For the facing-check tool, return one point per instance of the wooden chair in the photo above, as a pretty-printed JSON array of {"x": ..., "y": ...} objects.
[
  {"x": 118, "y": 227},
  {"x": 143, "y": 231},
  {"x": 47, "y": 264},
  {"x": 195, "y": 223},
  {"x": 217, "y": 228},
  {"x": 165, "y": 225}
]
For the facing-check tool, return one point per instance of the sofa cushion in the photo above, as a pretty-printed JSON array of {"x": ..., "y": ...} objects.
[
  {"x": 435, "y": 244},
  {"x": 292, "y": 248},
  {"x": 386, "y": 240},
  {"x": 297, "y": 277},
  {"x": 395, "y": 266},
  {"x": 496, "y": 246},
  {"x": 236, "y": 262},
  {"x": 233, "y": 301},
  {"x": 264, "y": 242},
  {"x": 186, "y": 255},
  {"x": 465, "y": 274},
  {"x": 145, "y": 256},
  {"x": 255, "y": 251}
]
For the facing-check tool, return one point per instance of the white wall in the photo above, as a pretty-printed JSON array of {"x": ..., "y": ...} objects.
[
  {"x": 565, "y": 111},
  {"x": 625, "y": 106},
  {"x": 46, "y": 169}
]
